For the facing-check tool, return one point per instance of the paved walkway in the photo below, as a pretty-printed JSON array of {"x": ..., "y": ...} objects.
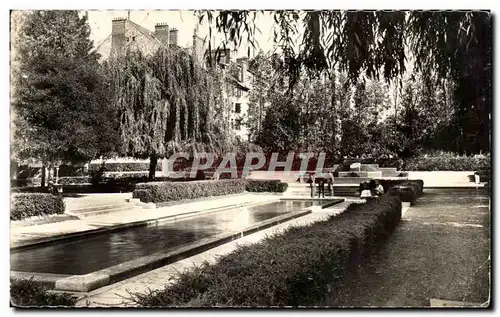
[
  {"x": 438, "y": 255},
  {"x": 113, "y": 295},
  {"x": 23, "y": 234},
  {"x": 97, "y": 199}
]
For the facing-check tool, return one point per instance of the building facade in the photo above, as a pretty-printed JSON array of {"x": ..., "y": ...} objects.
[{"x": 126, "y": 34}]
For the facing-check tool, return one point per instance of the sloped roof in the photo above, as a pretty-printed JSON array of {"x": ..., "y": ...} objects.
[
  {"x": 104, "y": 47},
  {"x": 237, "y": 83},
  {"x": 144, "y": 31}
]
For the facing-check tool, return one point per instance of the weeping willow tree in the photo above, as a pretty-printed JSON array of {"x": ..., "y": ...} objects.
[{"x": 167, "y": 103}]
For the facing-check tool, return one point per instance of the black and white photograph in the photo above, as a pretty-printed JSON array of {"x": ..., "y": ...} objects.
[{"x": 247, "y": 158}]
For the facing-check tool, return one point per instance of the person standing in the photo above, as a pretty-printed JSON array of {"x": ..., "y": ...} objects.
[
  {"x": 321, "y": 185},
  {"x": 330, "y": 183},
  {"x": 311, "y": 182}
]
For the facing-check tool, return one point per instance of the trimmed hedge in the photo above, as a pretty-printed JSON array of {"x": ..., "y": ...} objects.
[
  {"x": 70, "y": 180},
  {"x": 123, "y": 167},
  {"x": 26, "y": 182},
  {"x": 170, "y": 191},
  {"x": 294, "y": 268},
  {"x": 144, "y": 195},
  {"x": 405, "y": 192},
  {"x": 273, "y": 186},
  {"x": 35, "y": 204},
  {"x": 69, "y": 170},
  {"x": 389, "y": 183},
  {"x": 408, "y": 191},
  {"x": 29, "y": 293},
  {"x": 449, "y": 162}
]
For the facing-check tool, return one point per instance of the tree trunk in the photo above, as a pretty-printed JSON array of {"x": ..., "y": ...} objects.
[
  {"x": 152, "y": 167},
  {"x": 43, "y": 175},
  {"x": 334, "y": 116}
]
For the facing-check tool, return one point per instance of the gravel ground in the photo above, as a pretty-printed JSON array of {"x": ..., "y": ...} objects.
[{"x": 440, "y": 250}]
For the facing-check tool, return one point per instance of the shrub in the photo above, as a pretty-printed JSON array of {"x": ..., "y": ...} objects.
[
  {"x": 389, "y": 183},
  {"x": 293, "y": 268},
  {"x": 29, "y": 293},
  {"x": 31, "y": 189},
  {"x": 408, "y": 191},
  {"x": 26, "y": 182},
  {"x": 124, "y": 167},
  {"x": 405, "y": 193},
  {"x": 273, "y": 186},
  {"x": 70, "y": 180},
  {"x": 120, "y": 175},
  {"x": 227, "y": 175},
  {"x": 70, "y": 170},
  {"x": 171, "y": 191},
  {"x": 35, "y": 204},
  {"x": 144, "y": 195},
  {"x": 448, "y": 162}
]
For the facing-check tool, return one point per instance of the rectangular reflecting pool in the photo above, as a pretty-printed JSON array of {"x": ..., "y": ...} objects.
[{"x": 90, "y": 254}]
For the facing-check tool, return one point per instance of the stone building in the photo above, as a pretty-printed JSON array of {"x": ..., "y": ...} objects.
[{"x": 126, "y": 34}]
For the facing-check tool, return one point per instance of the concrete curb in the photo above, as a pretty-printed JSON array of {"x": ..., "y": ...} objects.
[
  {"x": 113, "y": 228},
  {"x": 328, "y": 202},
  {"x": 97, "y": 279},
  {"x": 46, "y": 279}
]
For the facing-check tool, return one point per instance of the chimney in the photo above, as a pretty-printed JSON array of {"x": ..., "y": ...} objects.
[
  {"x": 243, "y": 62},
  {"x": 173, "y": 36},
  {"x": 118, "y": 35},
  {"x": 161, "y": 33}
]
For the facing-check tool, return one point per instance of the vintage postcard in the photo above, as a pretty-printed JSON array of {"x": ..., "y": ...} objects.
[{"x": 250, "y": 158}]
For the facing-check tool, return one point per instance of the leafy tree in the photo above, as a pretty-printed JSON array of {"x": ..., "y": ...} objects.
[
  {"x": 421, "y": 115},
  {"x": 455, "y": 43},
  {"x": 263, "y": 91},
  {"x": 281, "y": 127},
  {"x": 167, "y": 103},
  {"x": 61, "y": 111}
]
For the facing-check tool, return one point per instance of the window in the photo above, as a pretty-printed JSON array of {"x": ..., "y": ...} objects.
[
  {"x": 232, "y": 124},
  {"x": 238, "y": 124},
  {"x": 237, "y": 107},
  {"x": 133, "y": 38},
  {"x": 238, "y": 92}
]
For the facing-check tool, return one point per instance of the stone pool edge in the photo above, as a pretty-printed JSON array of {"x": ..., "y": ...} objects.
[
  {"x": 107, "y": 276},
  {"x": 38, "y": 242}
]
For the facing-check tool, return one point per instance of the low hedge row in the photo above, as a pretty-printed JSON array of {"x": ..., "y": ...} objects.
[
  {"x": 159, "y": 192},
  {"x": 407, "y": 192},
  {"x": 29, "y": 293},
  {"x": 389, "y": 183},
  {"x": 70, "y": 180},
  {"x": 273, "y": 186},
  {"x": 448, "y": 162},
  {"x": 123, "y": 167},
  {"x": 26, "y": 182},
  {"x": 35, "y": 204},
  {"x": 294, "y": 268}
]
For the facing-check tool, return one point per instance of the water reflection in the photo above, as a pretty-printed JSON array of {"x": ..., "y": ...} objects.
[{"x": 95, "y": 253}]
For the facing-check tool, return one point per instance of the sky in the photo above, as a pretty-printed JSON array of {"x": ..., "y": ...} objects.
[{"x": 185, "y": 21}]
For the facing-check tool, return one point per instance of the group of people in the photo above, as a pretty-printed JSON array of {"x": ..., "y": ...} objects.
[
  {"x": 321, "y": 180},
  {"x": 371, "y": 189}
]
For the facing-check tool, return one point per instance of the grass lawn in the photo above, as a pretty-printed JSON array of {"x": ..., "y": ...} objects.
[{"x": 440, "y": 251}]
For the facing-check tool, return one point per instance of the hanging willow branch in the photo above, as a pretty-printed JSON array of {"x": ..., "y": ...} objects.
[{"x": 167, "y": 103}]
